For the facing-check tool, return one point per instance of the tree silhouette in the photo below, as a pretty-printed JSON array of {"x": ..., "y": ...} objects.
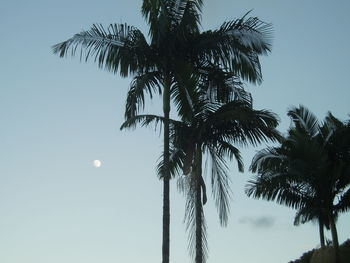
[
  {"x": 175, "y": 44},
  {"x": 309, "y": 171},
  {"x": 213, "y": 129}
]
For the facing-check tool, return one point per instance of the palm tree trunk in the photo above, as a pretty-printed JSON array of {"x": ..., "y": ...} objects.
[
  {"x": 199, "y": 246},
  {"x": 334, "y": 232},
  {"x": 166, "y": 176},
  {"x": 166, "y": 220},
  {"x": 334, "y": 237},
  {"x": 198, "y": 206},
  {"x": 321, "y": 229}
]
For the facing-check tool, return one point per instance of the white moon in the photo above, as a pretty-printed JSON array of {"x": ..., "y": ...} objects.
[{"x": 97, "y": 163}]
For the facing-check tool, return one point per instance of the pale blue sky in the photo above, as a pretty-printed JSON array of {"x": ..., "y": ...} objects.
[{"x": 57, "y": 115}]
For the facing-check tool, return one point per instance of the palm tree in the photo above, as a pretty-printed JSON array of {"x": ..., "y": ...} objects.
[
  {"x": 335, "y": 137},
  {"x": 212, "y": 128},
  {"x": 281, "y": 178},
  {"x": 176, "y": 44},
  {"x": 309, "y": 171}
]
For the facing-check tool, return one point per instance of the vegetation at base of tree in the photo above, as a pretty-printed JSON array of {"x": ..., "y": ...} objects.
[
  {"x": 325, "y": 255},
  {"x": 305, "y": 258}
]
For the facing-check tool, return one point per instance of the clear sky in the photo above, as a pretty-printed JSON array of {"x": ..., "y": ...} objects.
[{"x": 58, "y": 115}]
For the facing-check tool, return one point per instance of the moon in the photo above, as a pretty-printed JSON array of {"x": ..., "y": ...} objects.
[{"x": 97, "y": 163}]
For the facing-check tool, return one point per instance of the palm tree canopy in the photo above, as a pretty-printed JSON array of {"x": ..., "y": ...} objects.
[{"x": 175, "y": 43}]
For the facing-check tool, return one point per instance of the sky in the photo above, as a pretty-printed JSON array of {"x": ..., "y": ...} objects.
[{"x": 58, "y": 115}]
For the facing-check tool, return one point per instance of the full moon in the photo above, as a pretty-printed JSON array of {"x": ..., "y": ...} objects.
[{"x": 97, "y": 163}]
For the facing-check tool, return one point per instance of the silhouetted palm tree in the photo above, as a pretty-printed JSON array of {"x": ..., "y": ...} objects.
[
  {"x": 212, "y": 128},
  {"x": 309, "y": 171},
  {"x": 176, "y": 44}
]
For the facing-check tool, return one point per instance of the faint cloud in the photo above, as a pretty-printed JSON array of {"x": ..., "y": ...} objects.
[{"x": 259, "y": 222}]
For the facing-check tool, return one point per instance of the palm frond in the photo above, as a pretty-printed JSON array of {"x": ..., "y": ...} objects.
[
  {"x": 253, "y": 33},
  {"x": 143, "y": 120},
  {"x": 183, "y": 14},
  {"x": 220, "y": 182},
  {"x": 227, "y": 149},
  {"x": 119, "y": 47},
  {"x": 239, "y": 123},
  {"x": 343, "y": 204},
  {"x": 150, "y": 10},
  {"x": 304, "y": 119},
  {"x": 184, "y": 91},
  {"x": 176, "y": 160},
  {"x": 277, "y": 189},
  {"x": 221, "y": 86},
  {"x": 237, "y": 45},
  {"x": 189, "y": 15},
  {"x": 148, "y": 119},
  {"x": 312, "y": 210},
  {"x": 149, "y": 83},
  {"x": 331, "y": 120},
  {"x": 268, "y": 159},
  {"x": 306, "y": 214}
]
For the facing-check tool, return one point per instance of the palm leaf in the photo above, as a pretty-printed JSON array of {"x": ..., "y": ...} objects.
[
  {"x": 120, "y": 46},
  {"x": 304, "y": 119},
  {"x": 184, "y": 91},
  {"x": 188, "y": 13},
  {"x": 150, "y": 83},
  {"x": 150, "y": 10},
  {"x": 220, "y": 85},
  {"x": 277, "y": 189},
  {"x": 176, "y": 160},
  {"x": 227, "y": 149},
  {"x": 343, "y": 204},
  {"x": 306, "y": 214},
  {"x": 236, "y": 45},
  {"x": 143, "y": 120},
  {"x": 269, "y": 159},
  {"x": 220, "y": 182},
  {"x": 238, "y": 122}
]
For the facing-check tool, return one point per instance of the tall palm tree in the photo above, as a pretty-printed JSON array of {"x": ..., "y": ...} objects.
[
  {"x": 215, "y": 129},
  {"x": 309, "y": 171},
  {"x": 175, "y": 44}
]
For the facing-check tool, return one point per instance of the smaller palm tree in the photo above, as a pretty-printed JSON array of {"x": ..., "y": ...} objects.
[
  {"x": 214, "y": 129},
  {"x": 309, "y": 171}
]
